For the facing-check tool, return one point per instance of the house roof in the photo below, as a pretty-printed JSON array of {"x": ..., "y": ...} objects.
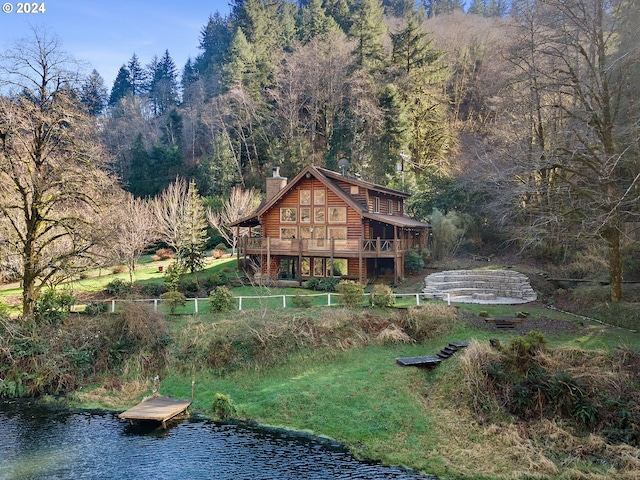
[{"x": 329, "y": 178}]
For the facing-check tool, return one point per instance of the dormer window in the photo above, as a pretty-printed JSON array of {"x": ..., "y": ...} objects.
[{"x": 376, "y": 204}]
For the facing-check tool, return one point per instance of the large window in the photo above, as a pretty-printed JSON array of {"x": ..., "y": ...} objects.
[
  {"x": 337, "y": 215},
  {"x": 288, "y": 214},
  {"x": 318, "y": 214},
  {"x": 318, "y": 267},
  {"x": 376, "y": 204},
  {"x": 319, "y": 197},
  {"x": 340, "y": 267},
  {"x": 390, "y": 207},
  {"x": 288, "y": 233},
  {"x": 305, "y": 266},
  {"x": 338, "y": 233},
  {"x": 305, "y": 197},
  {"x": 305, "y": 214}
]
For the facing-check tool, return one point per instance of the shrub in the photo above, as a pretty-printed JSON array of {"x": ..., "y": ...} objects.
[
  {"x": 413, "y": 262},
  {"x": 221, "y": 299},
  {"x": 118, "y": 288},
  {"x": 155, "y": 258},
  {"x": 52, "y": 307},
  {"x": 117, "y": 269},
  {"x": 429, "y": 321},
  {"x": 216, "y": 253},
  {"x": 352, "y": 293},
  {"x": 152, "y": 290},
  {"x": 142, "y": 325},
  {"x": 174, "y": 300},
  {"x": 223, "y": 407},
  {"x": 221, "y": 246},
  {"x": 327, "y": 284},
  {"x": 164, "y": 253},
  {"x": 300, "y": 301},
  {"x": 188, "y": 285},
  {"x": 172, "y": 276},
  {"x": 382, "y": 296},
  {"x": 96, "y": 308},
  {"x": 215, "y": 280}
]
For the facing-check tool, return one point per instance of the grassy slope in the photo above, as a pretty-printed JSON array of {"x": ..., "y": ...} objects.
[{"x": 360, "y": 397}]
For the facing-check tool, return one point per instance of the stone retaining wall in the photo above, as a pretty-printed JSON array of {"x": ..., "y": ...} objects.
[{"x": 480, "y": 286}]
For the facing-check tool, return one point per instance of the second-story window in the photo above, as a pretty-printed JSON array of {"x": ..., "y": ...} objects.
[
  {"x": 376, "y": 204},
  {"x": 389, "y": 207}
]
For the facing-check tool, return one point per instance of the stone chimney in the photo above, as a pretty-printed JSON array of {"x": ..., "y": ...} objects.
[{"x": 275, "y": 183}]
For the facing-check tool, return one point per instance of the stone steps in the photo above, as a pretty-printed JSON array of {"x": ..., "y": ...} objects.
[{"x": 480, "y": 286}]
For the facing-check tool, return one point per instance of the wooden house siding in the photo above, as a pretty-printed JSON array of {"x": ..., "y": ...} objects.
[{"x": 342, "y": 225}]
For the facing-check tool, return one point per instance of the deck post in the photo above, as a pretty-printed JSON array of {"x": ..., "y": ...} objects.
[
  {"x": 300, "y": 261},
  {"x": 268, "y": 258},
  {"x": 155, "y": 305},
  {"x": 395, "y": 254},
  {"x": 195, "y": 305},
  {"x": 333, "y": 244},
  {"x": 238, "y": 248},
  {"x": 360, "y": 242}
]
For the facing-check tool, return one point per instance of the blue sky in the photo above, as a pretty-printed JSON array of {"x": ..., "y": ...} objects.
[{"x": 106, "y": 33}]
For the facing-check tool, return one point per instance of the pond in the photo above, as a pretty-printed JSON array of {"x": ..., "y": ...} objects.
[{"x": 44, "y": 443}]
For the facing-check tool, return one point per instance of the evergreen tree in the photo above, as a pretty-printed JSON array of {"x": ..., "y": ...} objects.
[
  {"x": 218, "y": 172},
  {"x": 442, "y": 7},
  {"x": 140, "y": 171},
  {"x": 163, "y": 84},
  {"x": 215, "y": 39},
  {"x": 367, "y": 28},
  {"x": 411, "y": 49},
  {"x": 172, "y": 129},
  {"x": 121, "y": 86},
  {"x": 194, "y": 234},
  {"x": 395, "y": 136},
  {"x": 478, "y": 7},
  {"x": 313, "y": 22},
  {"x": 137, "y": 76},
  {"x": 240, "y": 65},
  {"x": 339, "y": 10},
  {"x": 93, "y": 94}
]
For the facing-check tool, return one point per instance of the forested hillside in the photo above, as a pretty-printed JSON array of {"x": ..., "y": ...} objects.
[{"x": 518, "y": 122}]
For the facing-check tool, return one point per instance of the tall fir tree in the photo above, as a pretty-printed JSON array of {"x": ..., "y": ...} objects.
[
  {"x": 121, "y": 86},
  {"x": 93, "y": 94},
  {"x": 313, "y": 22},
  {"x": 367, "y": 29},
  {"x": 163, "y": 84},
  {"x": 240, "y": 65},
  {"x": 194, "y": 227},
  {"x": 137, "y": 76}
]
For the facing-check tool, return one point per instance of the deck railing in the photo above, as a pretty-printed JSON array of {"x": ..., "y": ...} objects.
[{"x": 277, "y": 245}]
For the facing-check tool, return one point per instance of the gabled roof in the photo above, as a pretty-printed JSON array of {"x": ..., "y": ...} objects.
[{"x": 328, "y": 178}]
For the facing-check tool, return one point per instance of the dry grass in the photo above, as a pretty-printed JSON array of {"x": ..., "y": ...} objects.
[
  {"x": 114, "y": 394},
  {"x": 429, "y": 321}
]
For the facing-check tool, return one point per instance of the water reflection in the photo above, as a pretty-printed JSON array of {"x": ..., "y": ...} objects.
[{"x": 40, "y": 443}]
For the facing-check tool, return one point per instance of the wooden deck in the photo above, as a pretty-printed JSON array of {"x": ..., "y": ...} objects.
[{"x": 159, "y": 409}]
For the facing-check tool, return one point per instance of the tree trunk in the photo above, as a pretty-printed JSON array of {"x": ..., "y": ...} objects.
[{"x": 615, "y": 265}]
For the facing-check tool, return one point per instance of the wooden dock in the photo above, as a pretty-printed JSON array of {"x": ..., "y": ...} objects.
[{"x": 158, "y": 408}]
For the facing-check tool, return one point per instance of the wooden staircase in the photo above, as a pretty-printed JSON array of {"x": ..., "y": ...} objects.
[{"x": 432, "y": 362}]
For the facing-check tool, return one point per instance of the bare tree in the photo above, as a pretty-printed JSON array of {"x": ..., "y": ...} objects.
[
  {"x": 53, "y": 180},
  {"x": 181, "y": 222},
  {"x": 240, "y": 204},
  {"x": 135, "y": 230}
]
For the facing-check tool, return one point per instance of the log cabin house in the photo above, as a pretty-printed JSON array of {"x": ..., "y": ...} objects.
[{"x": 323, "y": 223}]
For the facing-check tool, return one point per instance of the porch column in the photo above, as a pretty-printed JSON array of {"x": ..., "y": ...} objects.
[
  {"x": 268, "y": 258},
  {"x": 300, "y": 261},
  {"x": 395, "y": 254},
  {"x": 238, "y": 249},
  {"x": 360, "y": 242},
  {"x": 332, "y": 243}
]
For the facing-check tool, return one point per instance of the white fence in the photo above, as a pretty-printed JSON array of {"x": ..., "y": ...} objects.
[{"x": 245, "y": 302}]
